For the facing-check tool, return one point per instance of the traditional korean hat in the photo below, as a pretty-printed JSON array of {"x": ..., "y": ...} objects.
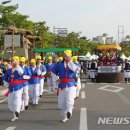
[
  {"x": 50, "y": 58},
  {"x": 68, "y": 52},
  {"x": 32, "y": 61},
  {"x": 15, "y": 58},
  {"x": 75, "y": 57},
  {"x": 38, "y": 58},
  {"x": 60, "y": 58},
  {"x": 22, "y": 59}
]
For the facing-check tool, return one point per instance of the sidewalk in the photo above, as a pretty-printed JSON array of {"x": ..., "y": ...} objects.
[{"x": 2, "y": 90}]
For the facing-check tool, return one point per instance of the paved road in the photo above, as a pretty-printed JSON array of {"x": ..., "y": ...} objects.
[{"x": 106, "y": 104}]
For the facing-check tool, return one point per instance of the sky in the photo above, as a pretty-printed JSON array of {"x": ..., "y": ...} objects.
[{"x": 90, "y": 17}]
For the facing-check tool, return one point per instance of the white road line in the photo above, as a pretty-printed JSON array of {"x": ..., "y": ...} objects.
[
  {"x": 83, "y": 85},
  {"x": 111, "y": 88},
  {"x": 83, "y": 119},
  {"x": 83, "y": 95},
  {"x": 10, "y": 128},
  {"x": 3, "y": 100}
]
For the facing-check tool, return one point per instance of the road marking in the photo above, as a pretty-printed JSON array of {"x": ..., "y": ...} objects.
[
  {"x": 83, "y": 85},
  {"x": 83, "y": 95},
  {"x": 83, "y": 119},
  {"x": 111, "y": 88},
  {"x": 3, "y": 100},
  {"x": 10, "y": 128}
]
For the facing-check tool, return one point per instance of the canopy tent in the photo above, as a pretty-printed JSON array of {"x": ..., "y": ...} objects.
[
  {"x": 108, "y": 47},
  {"x": 95, "y": 57},
  {"x": 88, "y": 55},
  {"x": 124, "y": 57},
  {"x": 39, "y": 50}
]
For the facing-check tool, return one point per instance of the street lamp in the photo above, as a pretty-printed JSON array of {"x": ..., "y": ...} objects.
[{"x": 5, "y": 2}]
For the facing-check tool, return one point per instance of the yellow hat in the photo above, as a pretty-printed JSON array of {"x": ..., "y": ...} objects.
[
  {"x": 15, "y": 58},
  {"x": 75, "y": 57},
  {"x": 22, "y": 59},
  {"x": 60, "y": 58},
  {"x": 57, "y": 60},
  {"x": 68, "y": 52},
  {"x": 32, "y": 61},
  {"x": 5, "y": 63},
  {"x": 39, "y": 57},
  {"x": 49, "y": 58}
]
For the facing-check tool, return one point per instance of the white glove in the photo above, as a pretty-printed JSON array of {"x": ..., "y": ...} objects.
[{"x": 26, "y": 77}]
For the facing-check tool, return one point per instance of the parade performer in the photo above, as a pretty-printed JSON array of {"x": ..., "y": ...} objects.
[
  {"x": 126, "y": 67},
  {"x": 34, "y": 82},
  {"x": 25, "y": 77},
  {"x": 50, "y": 81},
  {"x": 66, "y": 71},
  {"x": 42, "y": 76},
  {"x": 12, "y": 81},
  {"x": 78, "y": 84}
]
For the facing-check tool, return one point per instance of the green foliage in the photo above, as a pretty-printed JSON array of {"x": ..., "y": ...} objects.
[{"x": 10, "y": 16}]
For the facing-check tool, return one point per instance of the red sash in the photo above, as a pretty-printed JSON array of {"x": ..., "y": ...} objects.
[
  {"x": 16, "y": 82},
  {"x": 66, "y": 80},
  {"x": 34, "y": 76}
]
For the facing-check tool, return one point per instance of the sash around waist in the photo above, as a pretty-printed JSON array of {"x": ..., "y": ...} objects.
[{"x": 66, "y": 79}]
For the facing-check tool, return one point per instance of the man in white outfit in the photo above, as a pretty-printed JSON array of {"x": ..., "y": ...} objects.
[
  {"x": 12, "y": 79},
  {"x": 67, "y": 91},
  {"x": 42, "y": 76}
]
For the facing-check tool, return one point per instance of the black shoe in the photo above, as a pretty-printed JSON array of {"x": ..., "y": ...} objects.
[
  {"x": 68, "y": 115},
  {"x": 26, "y": 107},
  {"x": 40, "y": 96},
  {"x": 17, "y": 114}
]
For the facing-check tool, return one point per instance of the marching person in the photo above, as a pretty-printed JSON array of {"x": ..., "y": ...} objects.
[
  {"x": 50, "y": 81},
  {"x": 12, "y": 79},
  {"x": 34, "y": 82},
  {"x": 78, "y": 82},
  {"x": 66, "y": 71},
  {"x": 25, "y": 77},
  {"x": 42, "y": 76},
  {"x": 126, "y": 67}
]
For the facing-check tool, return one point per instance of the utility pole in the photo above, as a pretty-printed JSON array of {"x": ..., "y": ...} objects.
[{"x": 12, "y": 42}]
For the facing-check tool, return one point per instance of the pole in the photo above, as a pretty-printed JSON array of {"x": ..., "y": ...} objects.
[{"x": 12, "y": 42}]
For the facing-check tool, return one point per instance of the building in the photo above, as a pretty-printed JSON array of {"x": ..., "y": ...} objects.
[{"x": 105, "y": 39}]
